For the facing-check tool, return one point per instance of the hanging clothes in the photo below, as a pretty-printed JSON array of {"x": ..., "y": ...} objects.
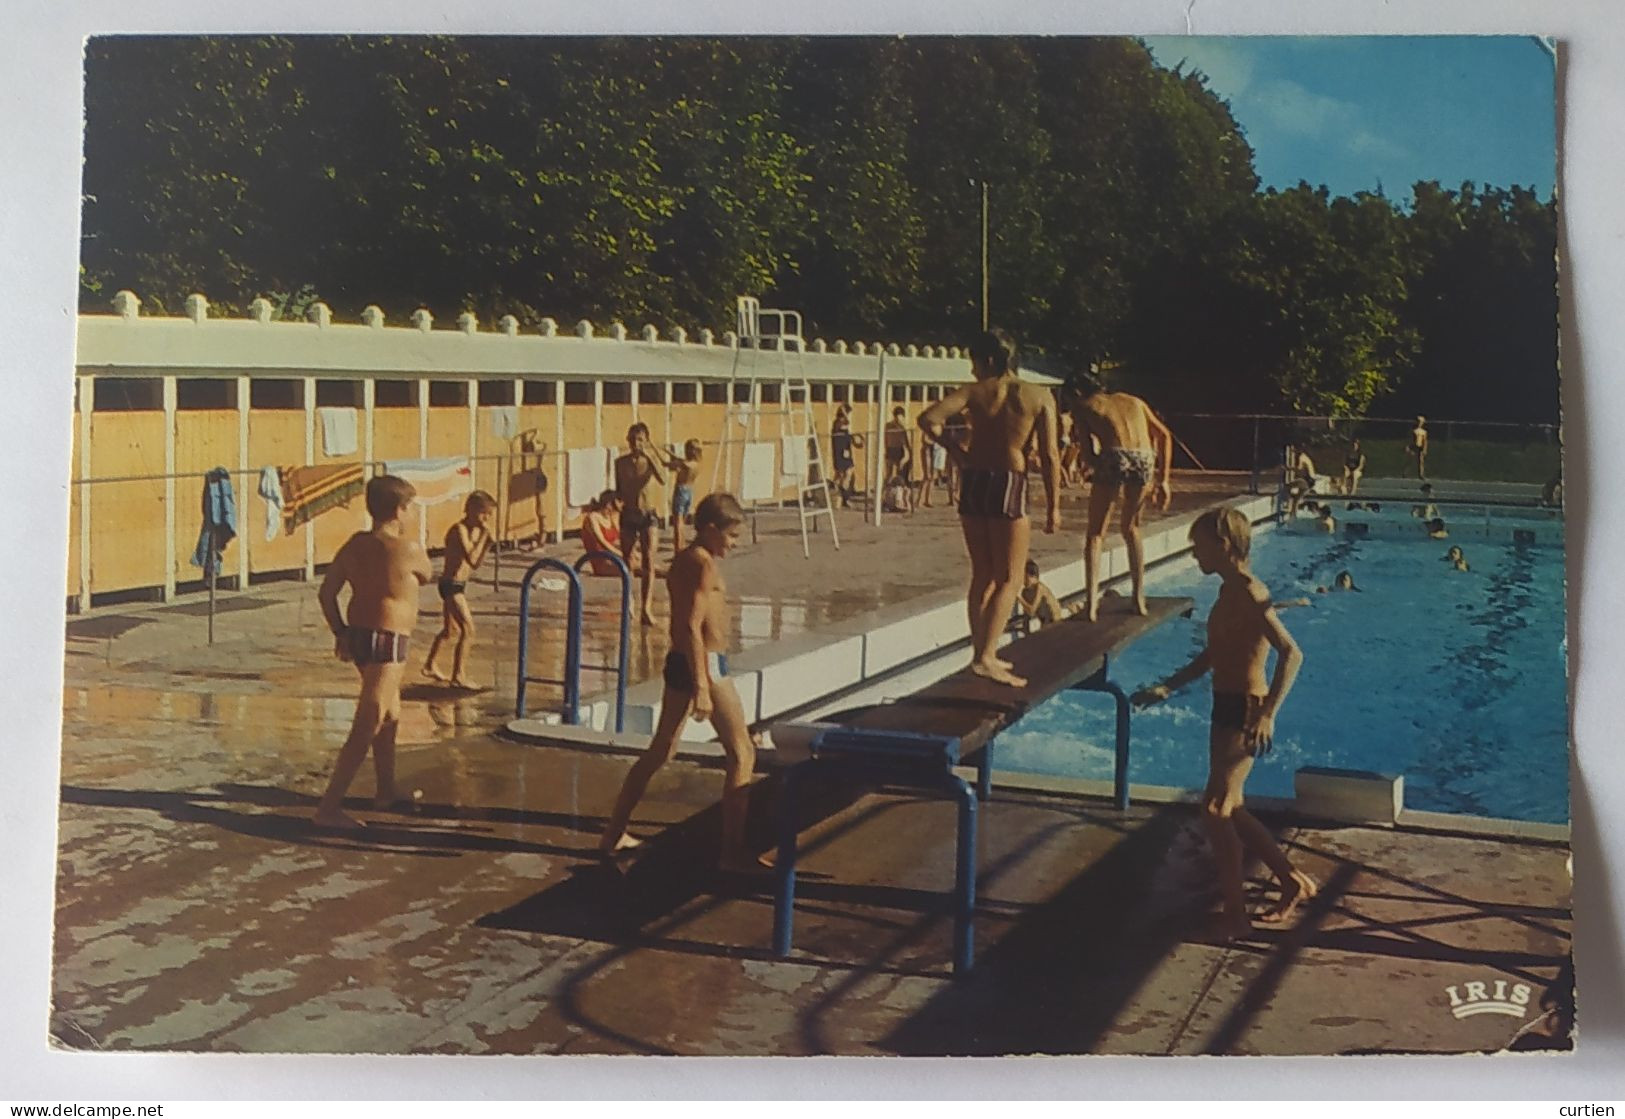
[
  {"x": 219, "y": 521},
  {"x": 587, "y": 475},
  {"x": 756, "y": 478},
  {"x": 338, "y": 430},
  {"x": 505, "y": 421},
  {"x": 271, "y": 490},
  {"x": 435, "y": 479},
  {"x": 309, "y": 491}
]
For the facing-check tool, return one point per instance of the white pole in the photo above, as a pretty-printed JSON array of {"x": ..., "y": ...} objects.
[
  {"x": 87, "y": 409},
  {"x": 169, "y": 489},
  {"x": 877, "y": 441},
  {"x": 310, "y": 459},
  {"x": 244, "y": 395}
]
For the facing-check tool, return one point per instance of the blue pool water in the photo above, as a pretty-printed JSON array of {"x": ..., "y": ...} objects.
[{"x": 1454, "y": 679}]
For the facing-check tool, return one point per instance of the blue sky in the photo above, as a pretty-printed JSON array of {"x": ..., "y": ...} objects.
[{"x": 1353, "y": 112}]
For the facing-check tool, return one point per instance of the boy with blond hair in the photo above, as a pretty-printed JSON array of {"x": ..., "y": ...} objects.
[
  {"x": 697, "y": 684},
  {"x": 467, "y": 541},
  {"x": 1241, "y": 630},
  {"x": 383, "y": 569}
]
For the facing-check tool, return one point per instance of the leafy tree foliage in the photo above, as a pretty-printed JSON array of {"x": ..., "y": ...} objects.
[{"x": 654, "y": 179}]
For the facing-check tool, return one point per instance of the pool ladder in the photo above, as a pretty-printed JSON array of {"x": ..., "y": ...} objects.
[{"x": 570, "y": 709}]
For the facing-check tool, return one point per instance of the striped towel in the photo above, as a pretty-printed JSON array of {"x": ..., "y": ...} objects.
[
  {"x": 310, "y": 491},
  {"x": 435, "y": 479}
]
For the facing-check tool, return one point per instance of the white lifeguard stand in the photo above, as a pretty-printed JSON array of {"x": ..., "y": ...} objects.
[{"x": 790, "y": 424}]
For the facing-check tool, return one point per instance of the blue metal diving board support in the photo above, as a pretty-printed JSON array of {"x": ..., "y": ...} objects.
[
  {"x": 915, "y": 761},
  {"x": 570, "y": 710},
  {"x": 925, "y": 762},
  {"x": 1100, "y": 682}
]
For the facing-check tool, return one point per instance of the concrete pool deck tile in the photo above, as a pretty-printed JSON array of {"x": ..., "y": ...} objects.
[{"x": 399, "y": 942}]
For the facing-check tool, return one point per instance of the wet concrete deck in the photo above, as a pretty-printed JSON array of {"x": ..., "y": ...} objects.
[{"x": 199, "y": 910}]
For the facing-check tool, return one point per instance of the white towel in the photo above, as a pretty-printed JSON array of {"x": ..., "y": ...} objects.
[
  {"x": 756, "y": 480},
  {"x": 271, "y": 491},
  {"x": 338, "y": 430},
  {"x": 505, "y": 421},
  {"x": 793, "y": 456},
  {"x": 588, "y": 475}
]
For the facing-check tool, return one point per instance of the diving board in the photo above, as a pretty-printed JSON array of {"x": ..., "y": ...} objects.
[{"x": 915, "y": 742}]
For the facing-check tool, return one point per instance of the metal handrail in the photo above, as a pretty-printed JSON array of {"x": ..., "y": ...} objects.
[{"x": 570, "y": 711}]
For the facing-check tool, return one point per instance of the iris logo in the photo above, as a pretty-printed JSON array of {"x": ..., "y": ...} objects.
[{"x": 1478, "y": 998}]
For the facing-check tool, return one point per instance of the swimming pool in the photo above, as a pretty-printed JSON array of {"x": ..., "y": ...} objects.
[{"x": 1454, "y": 679}]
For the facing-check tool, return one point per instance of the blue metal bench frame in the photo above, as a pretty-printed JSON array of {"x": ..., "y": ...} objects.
[{"x": 570, "y": 709}]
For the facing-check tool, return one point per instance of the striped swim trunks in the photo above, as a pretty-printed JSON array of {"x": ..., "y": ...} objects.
[
  {"x": 375, "y": 646},
  {"x": 993, "y": 493}
]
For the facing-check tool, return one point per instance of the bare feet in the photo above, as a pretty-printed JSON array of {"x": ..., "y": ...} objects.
[
  {"x": 625, "y": 843},
  {"x": 1002, "y": 663},
  {"x": 998, "y": 674},
  {"x": 1092, "y": 611},
  {"x": 466, "y": 685},
  {"x": 744, "y": 864},
  {"x": 435, "y": 674},
  {"x": 337, "y": 820},
  {"x": 1140, "y": 607},
  {"x": 1294, "y": 892}
]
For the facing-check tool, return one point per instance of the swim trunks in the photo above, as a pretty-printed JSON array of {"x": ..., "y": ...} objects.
[
  {"x": 1233, "y": 711},
  {"x": 682, "y": 501},
  {"x": 680, "y": 678},
  {"x": 449, "y": 587},
  {"x": 375, "y": 646},
  {"x": 635, "y": 521},
  {"x": 993, "y": 493},
  {"x": 1127, "y": 466}
]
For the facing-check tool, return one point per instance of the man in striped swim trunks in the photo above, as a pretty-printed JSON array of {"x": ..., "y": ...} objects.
[
  {"x": 1004, "y": 412},
  {"x": 384, "y": 569},
  {"x": 1135, "y": 456}
]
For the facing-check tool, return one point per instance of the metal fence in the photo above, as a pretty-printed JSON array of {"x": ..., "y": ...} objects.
[{"x": 1460, "y": 451}]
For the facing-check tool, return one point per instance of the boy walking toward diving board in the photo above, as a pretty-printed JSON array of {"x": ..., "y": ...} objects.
[
  {"x": 697, "y": 684},
  {"x": 1241, "y": 630},
  {"x": 383, "y": 569}
]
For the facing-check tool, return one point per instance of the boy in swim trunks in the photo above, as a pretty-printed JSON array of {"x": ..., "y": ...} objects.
[
  {"x": 697, "y": 684},
  {"x": 1241, "y": 630},
  {"x": 1036, "y": 602},
  {"x": 636, "y": 473},
  {"x": 682, "y": 490},
  {"x": 1004, "y": 413},
  {"x": 384, "y": 569},
  {"x": 467, "y": 541},
  {"x": 1135, "y": 458}
]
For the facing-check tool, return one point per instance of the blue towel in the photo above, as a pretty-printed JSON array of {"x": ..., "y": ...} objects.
[{"x": 219, "y": 521}]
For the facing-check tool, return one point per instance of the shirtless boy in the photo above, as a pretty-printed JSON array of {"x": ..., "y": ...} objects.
[
  {"x": 1136, "y": 455},
  {"x": 1241, "y": 630},
  {"x": 384, "y": 569},
  {"x": 1417, "y": 448},
  {"x": 697, "y": 684},
  {"x": 1036, "y": 602},
  {"x": 467, "y": 541},
  {"x": 636, "y": 473},
  {"x": 682, "y": 491},
  {"x": 1004, "y": 412}
]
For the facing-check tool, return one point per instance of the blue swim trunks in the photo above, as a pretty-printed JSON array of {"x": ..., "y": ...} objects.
[{"x": 682, "y": 501}]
